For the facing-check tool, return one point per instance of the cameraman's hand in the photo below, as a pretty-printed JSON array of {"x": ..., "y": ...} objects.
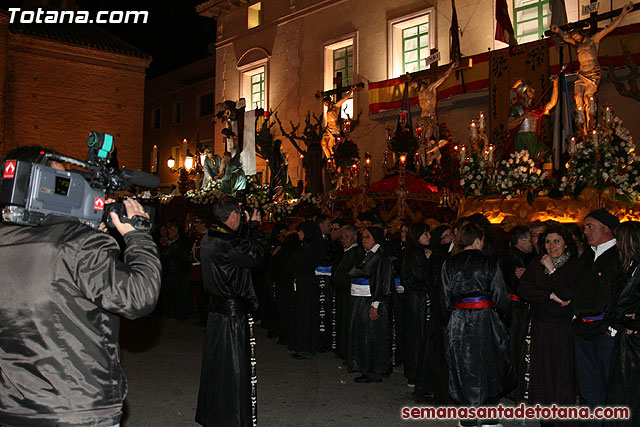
[
  {"x": 133, "y": 208},
  {"x": 102, "y": 226},
  {"x": 255, "y": 216}
]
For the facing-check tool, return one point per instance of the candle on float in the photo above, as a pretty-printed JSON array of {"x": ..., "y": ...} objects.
[
  {"x": 266, "y": 172},
  {"x": 572, "y": 146},
  {"x": 595, "y": 138},
  {"x": 403, "y": 159},
  {"x": 300, "y": 168},
  {"x": 491, "y": 153},
  {"x": 184, "y": 149},
  {"x": 154, "y": 159},
  {"x": 419, "y": 131},
  {"x": 473, "y": 130},
  {"x": 481, "y": 120},
  {"x": 607, "y": 114},
  {"x": 462, "y": 153},
  {"x": 592, "y": 105},
  {"x": 579, "y": 117}
]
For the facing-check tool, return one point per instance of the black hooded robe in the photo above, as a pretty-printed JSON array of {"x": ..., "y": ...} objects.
[
  {"x": 477, "y": 343},
  {"x": 369, "y": 340}
]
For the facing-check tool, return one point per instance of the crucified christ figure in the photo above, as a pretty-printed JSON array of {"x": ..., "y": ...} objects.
[
  {"x": 333, "y": 128},
  {"x": 427, "y": 99},
  {"x": 589, "y": 74}
]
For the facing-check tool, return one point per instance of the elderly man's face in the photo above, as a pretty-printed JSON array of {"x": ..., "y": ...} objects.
[
  {"x": 347, "y": 239},
  {"x": 596, "y": 232}
]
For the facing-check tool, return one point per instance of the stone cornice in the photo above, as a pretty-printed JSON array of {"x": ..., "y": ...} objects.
[{"x": 48, "y": 48}]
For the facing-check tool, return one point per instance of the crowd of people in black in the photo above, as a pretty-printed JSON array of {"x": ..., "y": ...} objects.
[{"x": 543, "y": 314}]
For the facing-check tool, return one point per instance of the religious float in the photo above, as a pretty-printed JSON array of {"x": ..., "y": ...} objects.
[{"x": 512, "y": 166}]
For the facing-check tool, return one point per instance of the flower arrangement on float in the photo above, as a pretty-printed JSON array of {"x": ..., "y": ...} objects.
[
  {"x": 518, "y": 175},
  {"x": 346, "y": 153},
  {"x": 474, "y": 179},
  {"x": 444, "y": 174},
  {"x": 604, "y": 158}
]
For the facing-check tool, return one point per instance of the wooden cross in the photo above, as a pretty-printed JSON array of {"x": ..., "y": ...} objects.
[
  {"x": 339, "y": 90},
  {"x": 435, "y": 70},
  {"x": 591, "y": 21}
]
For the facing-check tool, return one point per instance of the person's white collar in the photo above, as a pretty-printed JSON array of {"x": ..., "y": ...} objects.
[
  {"x": 350, "y": 247},
  {"x": 603, "y": 247},
  {"x": 375, "y": 247}
]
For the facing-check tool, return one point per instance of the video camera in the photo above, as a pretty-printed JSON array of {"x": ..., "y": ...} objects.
[{"x": 31, "y": 191}]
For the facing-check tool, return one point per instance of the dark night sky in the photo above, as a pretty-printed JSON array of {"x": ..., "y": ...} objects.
[{"x": 175, "y": 34}]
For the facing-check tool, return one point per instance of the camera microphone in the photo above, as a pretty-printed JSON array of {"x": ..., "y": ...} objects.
[{"x": 142, "y": 179}]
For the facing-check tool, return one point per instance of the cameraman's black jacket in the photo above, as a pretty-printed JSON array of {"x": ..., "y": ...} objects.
[{"x": 62, "y": 289}]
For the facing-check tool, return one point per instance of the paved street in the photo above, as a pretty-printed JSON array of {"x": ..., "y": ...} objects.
[{"x": 161, "y": 359}]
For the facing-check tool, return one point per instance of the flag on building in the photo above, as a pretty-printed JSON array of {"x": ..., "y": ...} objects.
[
  {"x": 454, "y": 35},
  {"x": 504, "y": 29},
  {"x": 558, "y": 12}
]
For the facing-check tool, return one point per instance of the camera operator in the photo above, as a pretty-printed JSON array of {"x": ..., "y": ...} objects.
[
  {"x": 227, "y": 390},
  {"x": 62, "y": 290}
]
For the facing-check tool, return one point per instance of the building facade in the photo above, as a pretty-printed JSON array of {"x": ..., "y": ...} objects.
[
  {"x": 279, "y": 54},
  {"x": 179, "y": 106},
  {"x": 59, "y": 82}
]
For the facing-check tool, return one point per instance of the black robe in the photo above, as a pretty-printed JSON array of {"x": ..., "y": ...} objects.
[
  {"x": 304, "y": 333},
  {"x": 369, "y": 340},
  {"x": 432, "y": 373},
  {"x": 476, "y": 340},
  {"x": 416, "y": 309},
  {"x": 283, "y": 278},
  {"x": 225, "y": 396},
  {"x": 175, "y": 293},
  {"x": 549, "y": 376},
  {"x": 594, "y": 292},
  {"x": 624, "y": 377},
  {"x": 515, "y": 258},
  {"x": 341, "y": 284}
]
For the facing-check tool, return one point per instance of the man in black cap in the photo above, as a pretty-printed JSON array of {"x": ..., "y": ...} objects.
[{"x": 594, "y": 297}]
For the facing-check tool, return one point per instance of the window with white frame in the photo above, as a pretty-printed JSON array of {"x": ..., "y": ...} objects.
[
  {"x": 531, "y": 19},
  {"x": 411, "y": 40},
  {"x": 254, "y": 15},
  {"x": 254, "y": 87},
  {"x": 340, "y": 59}
]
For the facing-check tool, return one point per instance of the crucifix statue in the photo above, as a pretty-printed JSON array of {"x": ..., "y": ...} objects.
[
  {"x": 428, "y": 92},
  {"x": 333, "y": 112},
  {"x": 589, "y": 74}
]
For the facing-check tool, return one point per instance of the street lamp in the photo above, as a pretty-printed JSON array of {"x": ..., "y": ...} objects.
[
  {"x": 171, "y": 162},
  {"x": 188, "y": 161}
]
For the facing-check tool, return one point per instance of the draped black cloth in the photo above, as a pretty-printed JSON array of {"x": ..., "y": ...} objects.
[
  {"x": 549, "y": 376},
  {"x": 369, "y": 340},
  {"x": 341, "y": 284},
  {"x": 476, "y": 340},
  {"x": 225, "y": 380},
  {"x": 624, "y": 377},
  {"x": 418, "y": 286}
]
